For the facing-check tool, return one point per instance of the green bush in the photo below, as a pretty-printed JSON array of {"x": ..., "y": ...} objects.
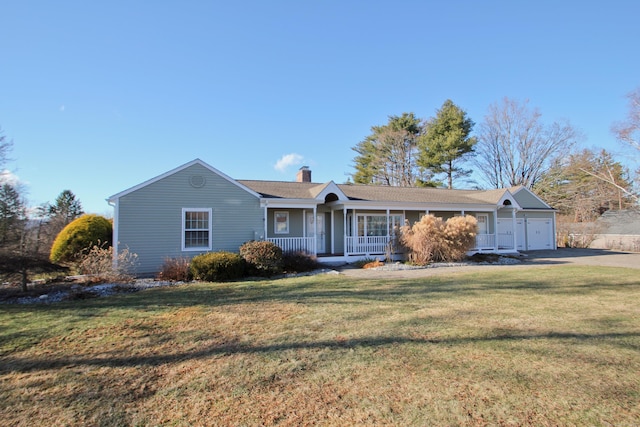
[
  {"x": 217, "y": 266},
  {"x": 79, "y": 236},
  {"x": 299, "y": 262},
  {"x": 263, "y": 258}
]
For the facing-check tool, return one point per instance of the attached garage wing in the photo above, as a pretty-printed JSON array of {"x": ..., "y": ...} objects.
[{"x": 535, "y": 234}]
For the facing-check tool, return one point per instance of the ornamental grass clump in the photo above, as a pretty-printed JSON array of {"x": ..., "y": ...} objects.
[
  {"x": 98, "y": 263},
  {"x": 432, "y": 239}
]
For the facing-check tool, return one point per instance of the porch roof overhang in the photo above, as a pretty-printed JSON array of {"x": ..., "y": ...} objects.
[
  {"x": 408, "y": 206},
  {"x": 289, "y": 203}
]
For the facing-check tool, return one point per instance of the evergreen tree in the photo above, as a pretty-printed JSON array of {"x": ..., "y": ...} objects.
[
  {"x": 388, "y": 155},
  {"x": 66, "y": 209},
  {"x": 446, "y": 141},
  {"x": 12, "y": 215}
]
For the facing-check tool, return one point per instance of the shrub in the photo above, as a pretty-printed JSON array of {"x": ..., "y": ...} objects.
[
  {"x": 217, "y": 266},
  {"x": 373, "y": 264},
  {"x": 263, "y": 258},
  {"x": 78, "y": 235},
  {"x": 98, "y": 263},
  {"x": 362, "y": 262},
  {"x": 432, "y": 239},
  {"x": 175, "y": 269},
  {"x": 571, "y": 234},
  {"x": 299, "y": 262}
]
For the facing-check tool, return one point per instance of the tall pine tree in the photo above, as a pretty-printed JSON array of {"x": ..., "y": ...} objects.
[{"x": 446, "y": 141}]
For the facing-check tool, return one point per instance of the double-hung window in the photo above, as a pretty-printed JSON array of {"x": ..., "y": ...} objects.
[
  {"x": 196, "y": 229},
  {"x": 281, "y": 222}
]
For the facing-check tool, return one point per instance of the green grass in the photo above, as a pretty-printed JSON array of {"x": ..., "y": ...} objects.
[{"x": 539, "y": 346}]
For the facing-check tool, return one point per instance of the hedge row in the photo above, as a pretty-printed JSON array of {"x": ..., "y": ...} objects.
[{"x": 256, "y": 258}]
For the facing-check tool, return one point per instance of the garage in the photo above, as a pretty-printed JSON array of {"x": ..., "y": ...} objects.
[{"x": 535, "y": 234}]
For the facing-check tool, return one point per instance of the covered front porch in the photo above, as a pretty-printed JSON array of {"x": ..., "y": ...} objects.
[{"x": 337, "y": 233}]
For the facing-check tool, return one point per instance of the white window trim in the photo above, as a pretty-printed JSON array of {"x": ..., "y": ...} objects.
[
  {"x": 389, "y": 222},
  {"x": 184, "y": 230},
  {"x": 275, "y": 222}
]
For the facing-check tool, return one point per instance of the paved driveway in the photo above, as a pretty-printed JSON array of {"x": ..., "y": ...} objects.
[
  {"x": 562, "y": 256},
  {"x": 599, "y": 257}
]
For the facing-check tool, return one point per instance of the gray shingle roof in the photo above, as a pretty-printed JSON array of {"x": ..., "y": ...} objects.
[
  {"x": 377, "y": 193},
  {"x": 620, "y": 222}
]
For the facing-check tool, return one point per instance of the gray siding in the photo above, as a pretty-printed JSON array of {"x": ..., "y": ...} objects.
[
  {"x": 412, "y": 216},
  {"x": 296, "y": 222},
  {"x": 534, "y": 215},
  {"x": 150, "y": 218},
  {"x": 338, "y": 233},
  {"x": 528, "y": 201}
]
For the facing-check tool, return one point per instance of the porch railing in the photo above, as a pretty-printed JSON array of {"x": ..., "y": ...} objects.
[
  {"x": 485, "y": 241},
  {"x": 295, "y": 244},
  {"x": 366, "y": 244},
  {"x": 505, "y": 241}
]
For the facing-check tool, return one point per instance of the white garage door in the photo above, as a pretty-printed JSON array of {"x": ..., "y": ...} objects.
[
  {"x": 520, "y": 235},
  {"x": 539, "y": 234}
]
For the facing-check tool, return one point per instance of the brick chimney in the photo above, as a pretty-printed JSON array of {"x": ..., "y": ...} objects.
[{"x": 304, "y": 174}]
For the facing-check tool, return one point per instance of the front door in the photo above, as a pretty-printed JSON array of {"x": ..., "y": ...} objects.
[
  {"x": 315, "y": 228},
  {"x": 483, "y": 240}
]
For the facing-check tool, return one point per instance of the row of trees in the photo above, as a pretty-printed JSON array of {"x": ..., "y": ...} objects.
[
  {"x": 408, "y": 152},
  {"x": 26, "y": 234},
  {"x": 511, "y": 147}
]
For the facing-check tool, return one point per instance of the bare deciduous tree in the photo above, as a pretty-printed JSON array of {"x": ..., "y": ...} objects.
[
  {"x": 585, "y": 184},
  {"x": 515, "y": 147},
  {"x": 628, "y": 131}
]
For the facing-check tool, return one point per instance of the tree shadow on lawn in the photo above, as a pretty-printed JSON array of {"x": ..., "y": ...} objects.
[
  {"x": 11, "y": 364},
  {"x": 341, "y": 290},
  {"x": 344, "y": 290}
]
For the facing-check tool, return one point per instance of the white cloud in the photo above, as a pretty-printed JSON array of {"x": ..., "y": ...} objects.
[
  {"x": 288, "y": 160},
  {"x": 8, "y": 177}
]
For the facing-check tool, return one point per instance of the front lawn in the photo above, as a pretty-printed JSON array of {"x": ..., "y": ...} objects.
[{"x": 526, "y": 346}]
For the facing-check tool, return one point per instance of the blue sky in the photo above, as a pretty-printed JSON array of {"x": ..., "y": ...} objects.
[{"x": 100, "y": 96}]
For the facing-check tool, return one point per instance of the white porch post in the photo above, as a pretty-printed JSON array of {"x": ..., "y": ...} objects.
[
  {"x": 315, "y": 230},
  {"x": 344, "y": 230},
  {"x": 495, "y": 230},
  {"x": 265, "y": 220},
  {"x": 333, "y": 232},
  {"x": 388, "y": 234},
  {"x": 354, "y": 229}
]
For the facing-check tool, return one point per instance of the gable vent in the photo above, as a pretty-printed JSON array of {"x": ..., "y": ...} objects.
[{"x": 197, "y": 181}]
